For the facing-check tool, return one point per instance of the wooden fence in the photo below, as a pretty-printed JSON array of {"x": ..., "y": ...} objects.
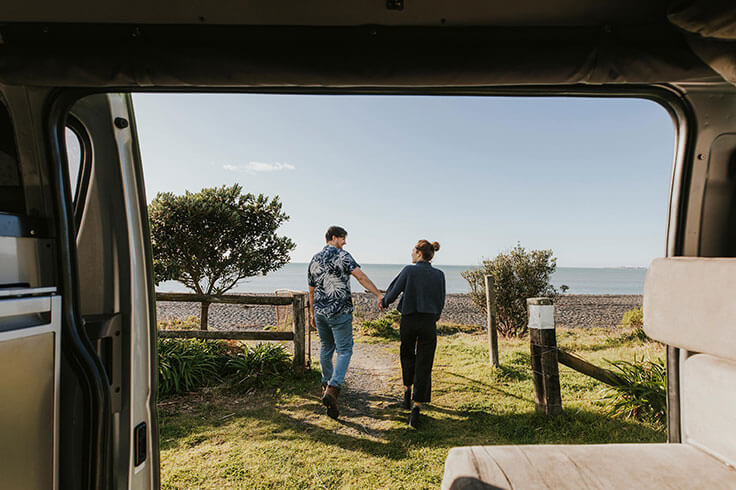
[
  {"x": 297, "y": 300},
  {"x": 545, "y": 356}
]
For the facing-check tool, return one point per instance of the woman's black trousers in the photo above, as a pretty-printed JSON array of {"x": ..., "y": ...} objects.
[{"x": 418, "y": 343}]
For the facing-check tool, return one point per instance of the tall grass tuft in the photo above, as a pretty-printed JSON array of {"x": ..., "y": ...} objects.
[
  {"x": 187, "y": 364},
  {"x": 644, "y": 396},
  {"x": 633, "y": 318},
  {"x": 259, "y": 366}
]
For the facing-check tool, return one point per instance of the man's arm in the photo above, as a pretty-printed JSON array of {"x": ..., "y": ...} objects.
[
  {"x": 367, "y": 283},
  {"x": 311, "y": 308}
]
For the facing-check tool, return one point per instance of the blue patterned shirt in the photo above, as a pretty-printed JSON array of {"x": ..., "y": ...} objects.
[{"x": 329, "y": 273}]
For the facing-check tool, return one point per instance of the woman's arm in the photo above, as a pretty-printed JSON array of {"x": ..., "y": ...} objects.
[{"x": 394, "y": 289}]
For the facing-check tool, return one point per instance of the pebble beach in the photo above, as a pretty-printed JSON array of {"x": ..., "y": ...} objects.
[{"x": 572, "y": 310}]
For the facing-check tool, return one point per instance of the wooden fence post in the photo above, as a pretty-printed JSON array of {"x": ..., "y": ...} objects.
[
  {"x": 204, "y": 315},
  {"x": 543, "y": 344},
  {"x": 299, "y": 326},
  {"x": 491, "y": 314}
]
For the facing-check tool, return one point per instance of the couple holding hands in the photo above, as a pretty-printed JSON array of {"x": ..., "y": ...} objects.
[{"x": 422, "y": 290}]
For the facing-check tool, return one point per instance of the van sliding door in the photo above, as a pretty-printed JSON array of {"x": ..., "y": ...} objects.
[{"x": 114, "y": 277}]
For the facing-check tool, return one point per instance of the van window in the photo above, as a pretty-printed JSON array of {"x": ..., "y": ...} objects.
[
  {"x": 74, "y": 157},
  {"x": 12, "y": 199},
  {"x": 79, "y": 158}
]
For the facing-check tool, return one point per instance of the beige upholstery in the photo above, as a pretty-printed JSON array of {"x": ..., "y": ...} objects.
[
  {"x": 708, "y": 393},
  {"x": 691, "y": 303},
  {"x": 634, "y": 466}
]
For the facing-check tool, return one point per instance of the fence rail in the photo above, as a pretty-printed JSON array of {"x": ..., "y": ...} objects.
[
  {"x": 582, "y": 366},
  {"x": 236, "y": 299},
  {"x": 226, "y": 334},
  {"x": 297, "y": 335}
]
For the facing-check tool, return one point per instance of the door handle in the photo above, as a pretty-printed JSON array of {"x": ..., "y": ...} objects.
[{"x": 105, "y": 333}]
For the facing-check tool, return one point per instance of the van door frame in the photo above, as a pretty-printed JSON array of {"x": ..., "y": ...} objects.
[{"x": 58, "y": 101}]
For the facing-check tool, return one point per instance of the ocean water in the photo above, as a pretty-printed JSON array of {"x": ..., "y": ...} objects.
[{"x": 581, "y": 280}]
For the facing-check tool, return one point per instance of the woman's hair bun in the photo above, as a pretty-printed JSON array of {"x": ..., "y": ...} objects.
[{"x": 436, "y": 246}]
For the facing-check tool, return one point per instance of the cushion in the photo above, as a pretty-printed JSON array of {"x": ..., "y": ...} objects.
[
  {"x": 601, "y": 466},
  {"x": 689, "y": 303}
]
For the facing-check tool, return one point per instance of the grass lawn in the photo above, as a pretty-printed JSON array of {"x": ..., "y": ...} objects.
[{"x": 216, "y": 439}]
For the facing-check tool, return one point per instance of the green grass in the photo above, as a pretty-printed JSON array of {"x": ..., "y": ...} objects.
[{"x": 281, "y": 439}]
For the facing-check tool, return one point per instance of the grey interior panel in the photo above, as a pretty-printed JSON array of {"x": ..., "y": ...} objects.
[
  {"x": 29, "y": 363},
  {"x": 719, "y": 207},
  {"x": 26, "y": 412},
  {"x": 26, "y": 261}
]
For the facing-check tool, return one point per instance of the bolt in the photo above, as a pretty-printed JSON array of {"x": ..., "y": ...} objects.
[
  {"x": 701, "y": 156},
  {"x": 121, "y": 123}
]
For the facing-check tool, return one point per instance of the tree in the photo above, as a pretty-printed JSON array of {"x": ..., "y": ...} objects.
[
  {"x": 518, "y": 274},
  {"x": 212, "y": 239}
]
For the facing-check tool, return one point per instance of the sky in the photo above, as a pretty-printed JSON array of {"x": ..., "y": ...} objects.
[{"x": 586, "y": 177}]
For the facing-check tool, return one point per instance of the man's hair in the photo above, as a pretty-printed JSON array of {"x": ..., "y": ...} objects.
[{"x": 337, "y": 231}]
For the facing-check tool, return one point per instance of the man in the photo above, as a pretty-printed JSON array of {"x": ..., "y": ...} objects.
[{"x": 331, "y": 310}]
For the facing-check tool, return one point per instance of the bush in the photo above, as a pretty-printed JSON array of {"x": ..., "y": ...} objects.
[
  {"x": 633, "y": 318},
  {"x": 184, "y": 365},
  {"x": 380, "y": 327},
  {"x": 644, "y": 397},
  {"x": 393, "y": 315},
  {"x": 262, "y": 365},
  {"x": 518, "y": 274},
  {"x": 190, "y": 323}
]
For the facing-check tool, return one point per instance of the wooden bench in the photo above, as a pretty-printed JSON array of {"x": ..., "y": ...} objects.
[{"x": 689, "y": 303}]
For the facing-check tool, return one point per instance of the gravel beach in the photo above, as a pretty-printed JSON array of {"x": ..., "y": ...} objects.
[{"x": 572, "y": 310}]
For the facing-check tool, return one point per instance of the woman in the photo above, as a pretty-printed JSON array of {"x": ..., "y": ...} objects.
[{"x": 423, "y": 289}]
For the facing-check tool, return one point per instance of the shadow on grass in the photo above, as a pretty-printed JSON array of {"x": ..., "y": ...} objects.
[{"x": 293, "y": 419}]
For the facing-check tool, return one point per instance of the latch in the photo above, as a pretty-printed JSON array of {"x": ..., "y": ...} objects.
[{"x": 105, "y": 333}]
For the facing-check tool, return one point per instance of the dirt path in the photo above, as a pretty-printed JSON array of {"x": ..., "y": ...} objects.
[{"x": 372, "y": 388}]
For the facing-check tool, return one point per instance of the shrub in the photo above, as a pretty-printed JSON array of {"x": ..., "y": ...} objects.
[
  {"x": 644, "y": 396},
  {"x": 393, "y": 315},
  {"x": 633, "y": 318},
  {"x": 453, "y": 328},
  {"x": 184, "y": 365},
  {"x": 190, "y": 323},
  {"x": 380, "y": 327},
  {"x": 518, "y": 274},
  {"x": 262, "y": 365}
]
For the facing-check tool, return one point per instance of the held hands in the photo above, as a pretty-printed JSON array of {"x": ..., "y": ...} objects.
[
  {"x": 312, "y": 323},
  {"x": 380, "y": 305}
]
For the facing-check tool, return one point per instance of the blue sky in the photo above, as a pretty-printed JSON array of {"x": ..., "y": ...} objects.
[{"x": 588, "y": 178}]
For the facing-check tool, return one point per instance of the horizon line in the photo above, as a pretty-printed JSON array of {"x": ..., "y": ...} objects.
[{"x": 478, "y": 265}]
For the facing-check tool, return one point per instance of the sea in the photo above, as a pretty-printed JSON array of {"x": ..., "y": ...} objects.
[{"x": 579, "y": 280}]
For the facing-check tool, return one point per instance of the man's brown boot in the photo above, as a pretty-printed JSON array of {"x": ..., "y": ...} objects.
[
  {"x": 329, "y": 400},
  {"x": 324, "y": 387}
]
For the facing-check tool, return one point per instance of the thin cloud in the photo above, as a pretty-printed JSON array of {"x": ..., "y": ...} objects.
[{"x": 255, "y": 167}]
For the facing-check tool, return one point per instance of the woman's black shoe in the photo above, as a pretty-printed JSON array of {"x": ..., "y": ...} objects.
[
  {"x": 407, "y": 399},
  {"x": 414, "y": 418}
]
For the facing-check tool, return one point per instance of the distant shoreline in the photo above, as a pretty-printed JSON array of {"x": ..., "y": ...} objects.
[
  {"x": 571, "y": 310},
  {"x": 620, "y": 280}
]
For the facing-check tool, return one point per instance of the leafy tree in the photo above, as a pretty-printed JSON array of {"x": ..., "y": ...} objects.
[
  {"x": 518, "y": 274},
  {"x": 212, "y": 239}
]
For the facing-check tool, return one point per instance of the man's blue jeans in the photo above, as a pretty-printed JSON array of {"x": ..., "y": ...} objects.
[{"x": 335, "y": 333}]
